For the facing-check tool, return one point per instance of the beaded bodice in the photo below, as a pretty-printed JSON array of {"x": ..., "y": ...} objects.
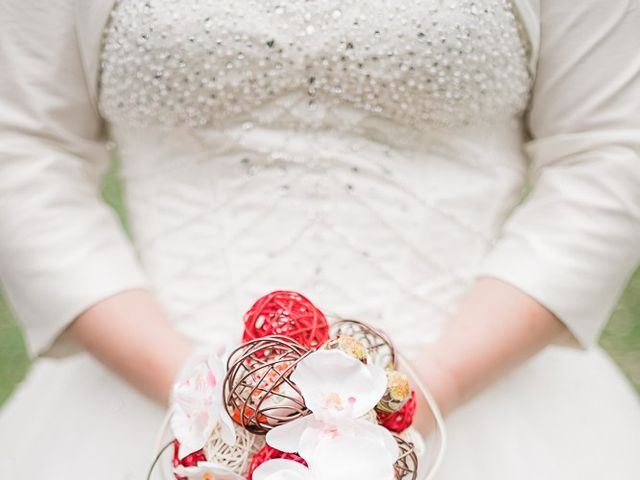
[
  {"x": 363, "y": 153},
  {"x": 200, "y": 62}
]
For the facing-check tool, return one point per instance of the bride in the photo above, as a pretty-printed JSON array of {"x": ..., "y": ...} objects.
[{"x": 464, "y": 174}]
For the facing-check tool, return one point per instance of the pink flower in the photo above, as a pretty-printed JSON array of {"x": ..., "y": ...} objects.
[{"x": 198, "y": 407}]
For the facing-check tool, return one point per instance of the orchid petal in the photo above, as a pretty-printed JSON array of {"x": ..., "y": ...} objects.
[
  {"x": 356, "y": 430},
  {"x": 379, "y": 434},
  {"x": 227, "y": 428},
  {"x": 217, "y": 366},
  {"x": 311, "y": 437},
  {"x": 346, "y": 458},
  {"x": 286, "y": 437},
  {"x": 281, "y": 469},
  {"x": 219, "y": 472},
  {"x": 198, "y": 407},
  {"x": 190, "y": 432},
  {"x": 332, "y": 379}
]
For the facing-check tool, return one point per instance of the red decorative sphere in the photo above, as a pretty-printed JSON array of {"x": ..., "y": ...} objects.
[
  {"x": 402, "y": 419},
  {"x": 190, "y": 460},
  {"x": 289, "y": 314},
  {"x": 270, "y": 453}
]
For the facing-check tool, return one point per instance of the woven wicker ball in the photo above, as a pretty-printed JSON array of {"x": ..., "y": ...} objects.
[
  {"x": 269, "y": 453},
  {"x": 402, "y": 419},
  {"x": 235, "y": 457},
  {"x": 380, "y": 348},
  {"x": 406, "y": 467},
  {"x": 258, "y": 392},
  {"x": 289, "y": 314}
]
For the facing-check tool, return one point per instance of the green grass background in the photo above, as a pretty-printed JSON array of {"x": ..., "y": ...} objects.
[{"x": 621, "y": 337}]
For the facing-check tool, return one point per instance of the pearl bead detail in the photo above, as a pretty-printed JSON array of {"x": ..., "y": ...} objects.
[{"x": 203, "y": 62}]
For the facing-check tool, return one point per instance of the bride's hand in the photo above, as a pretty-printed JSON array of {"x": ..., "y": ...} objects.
[
  {"x": 130, "y": 334},
  {"x": 496, "y": 328}
]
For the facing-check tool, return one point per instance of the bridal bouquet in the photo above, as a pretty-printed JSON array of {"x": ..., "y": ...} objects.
[{"x": 298, "y": 399}]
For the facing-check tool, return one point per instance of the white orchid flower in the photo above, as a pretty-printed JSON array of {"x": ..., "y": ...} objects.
[
  {"x": 280, "y": 469},
  {"x": 338, "y": 458},
  {"x": 198, "y": 408},
  {"x": 339, "y": 390},
  {"x": 207, "y": 471}
]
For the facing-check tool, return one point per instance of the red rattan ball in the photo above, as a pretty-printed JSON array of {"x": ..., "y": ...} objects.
[
  {"x": 270, "y": 453},
  {"x": 190, "y": 460},
  {"x": 289, "y": 314},
  {"x": 402, "y": 419}
]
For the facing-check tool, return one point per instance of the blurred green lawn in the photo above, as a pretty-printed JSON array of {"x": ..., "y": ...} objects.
[{"x": 621, "y": 337}]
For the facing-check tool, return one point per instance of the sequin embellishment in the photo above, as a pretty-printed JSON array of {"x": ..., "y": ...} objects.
[{"x": 201, "y": 62}]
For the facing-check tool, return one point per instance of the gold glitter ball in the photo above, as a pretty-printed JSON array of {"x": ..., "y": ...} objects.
[
  {"x": 350, "y": 346},
  {"x": 397, "y": 394}
]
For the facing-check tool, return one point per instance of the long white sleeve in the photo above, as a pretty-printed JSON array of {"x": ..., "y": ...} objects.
[
  {"x": 61, "y": 248},
  {"x": 573, "y": 244}
]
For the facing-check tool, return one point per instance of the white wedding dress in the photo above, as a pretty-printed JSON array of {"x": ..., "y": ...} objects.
[{"x": 372, "y": 157}]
